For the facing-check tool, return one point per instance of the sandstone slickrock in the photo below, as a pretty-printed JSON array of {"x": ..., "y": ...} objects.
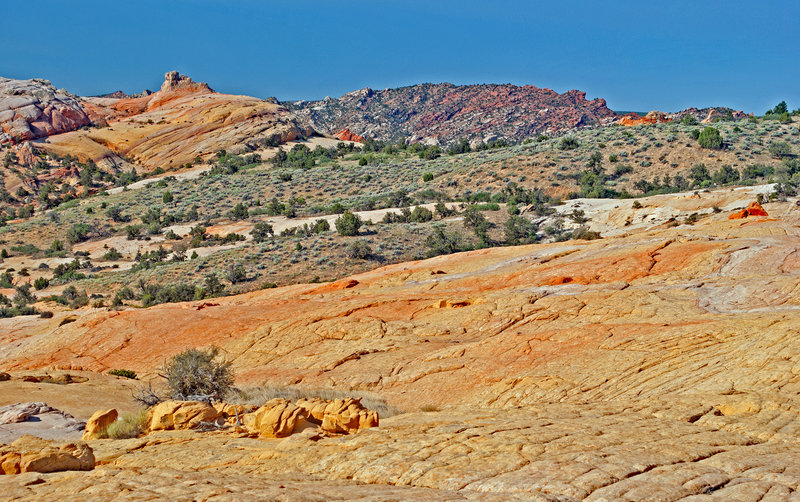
[
  {"x": 34, "y": 108},
  {"x": 173, "y": 126},
  {"x": 98, "y": 423},
  {"x": 32, "y": 454},
  {"x": 666, "y": 368},
  {"x": 444, "y": 113}
]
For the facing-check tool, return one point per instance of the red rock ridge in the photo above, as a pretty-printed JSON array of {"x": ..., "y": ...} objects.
[{"x": 347, "y": 135}]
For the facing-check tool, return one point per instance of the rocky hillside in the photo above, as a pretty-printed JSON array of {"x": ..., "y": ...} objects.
[
  {"x": 444, "y": 113},
  {"x": 34, "y": 108}
]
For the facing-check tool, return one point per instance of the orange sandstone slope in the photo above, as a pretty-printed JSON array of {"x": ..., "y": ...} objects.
[
  {"x": 174, "y": 125},
  {"x": 676, "y": 310}
]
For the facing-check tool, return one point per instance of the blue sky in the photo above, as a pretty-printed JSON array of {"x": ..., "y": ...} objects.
[{"x": 637, "y": 55}]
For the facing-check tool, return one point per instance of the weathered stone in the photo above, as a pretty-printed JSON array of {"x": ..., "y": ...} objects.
[
  {"x": 277, "y": 418},
  {"x": 181, "y": 415},
  {"x": 98, "y": 423},
  {"x": 32, "y": 454},
  {"x": 340, "y": 415}
]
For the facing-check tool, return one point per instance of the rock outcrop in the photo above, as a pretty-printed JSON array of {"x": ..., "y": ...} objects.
[
  {"x": 183, "y": 120},
  {"x": 752, "y": 209},
  {"x": 98, "y": 423},
  {"x": 707, "y": 115},
  {"x": 172, "y": 415},
  {"x": 34, "y": 108},
  {"x": 347, "y": 135},
  {"x": 445, "y": 113},
  {"x": 32, "y": 454},
  {"x": 277, "y": 418},
  {"x": 341, "y": 416},
  {"x": 652, "y": 117}
]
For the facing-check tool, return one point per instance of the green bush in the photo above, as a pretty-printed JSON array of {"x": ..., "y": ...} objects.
[
  {"x": 77, "y": 233},
  {"x": 520, "y": 230},
  {"x": 41, "y": 283},
  {"x": 780, "y": 149},
  {"x": 195, "y": 373},
  {"x": 440, "y": 242},
  {"x": 568, "y": 143},
  {"x": 688, "y": 120},
  {"x": 359, "y": 250},
  {"x": 420, "y": 215},
  {"x": 711, "y": 138},
  {"x": 262, "y": 231},
  {"x": 124, "y": 373},
  {"x": 348, "y": 224}
]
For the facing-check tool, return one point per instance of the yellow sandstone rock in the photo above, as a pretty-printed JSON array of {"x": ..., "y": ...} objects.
[
  {"x": 181, "y": 415},
  {"x": 98, "y": 423},
  {"x": 32, "y": 454},
  {"x": 278, "y": 418}
]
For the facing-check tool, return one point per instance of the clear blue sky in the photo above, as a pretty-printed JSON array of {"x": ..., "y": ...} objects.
[{"x": 635, "y": 54}]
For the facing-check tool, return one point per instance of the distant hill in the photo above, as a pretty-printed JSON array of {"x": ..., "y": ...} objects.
[{"x": 444, "y": 113}]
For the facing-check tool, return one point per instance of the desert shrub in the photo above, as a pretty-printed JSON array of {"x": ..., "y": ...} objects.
[
  {"x": 359, "y": 250},
  {"x": 420, "y": 215},
  {"x": 440, "y": 242},
  {"x": 115, "y": 213},
  {"x": 261, "y": 231},
  {"x": 129, "y": 425},
  {"x": 77, "y": 233},
  {"x": 41, "y": 283},
  {"x": 688, "y": 120},
  {"x": 780, "y": 149},
  {"x": 710, "y": 138},
  {"x": 236, "y": 273},
  {"x": 167, "y": 197},
  {"x": 427, "y": 177},
  {"x": 520, "y": 230},
  {"x": 348, "y": 224},
  {"x": 584, "y": 233},
  {"x": 239, "y": 212},
  {"x": 195, "y": 372},
  {"x": 725, "y": 175},
  {"x": 320, "y": 226},
  {"x": 112, "y": 254},
  {"x": 568, "y": 143},
  {"x": 124, "y": 373}
]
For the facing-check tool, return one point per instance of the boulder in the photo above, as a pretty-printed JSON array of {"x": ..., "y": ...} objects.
[
  {"x": 753, "y": 209},
  {"x": 231, "y": 411},
  {"x": 4, "y": 376},
  {"x": 98, "y": 423},
  {"x": 278, "y": 418},
  {"x": 20, "y": 412},
  {"x": 32, "y": 454},
  {"x": 340, "y": 416},
  {"x": 181, "y": 415}
]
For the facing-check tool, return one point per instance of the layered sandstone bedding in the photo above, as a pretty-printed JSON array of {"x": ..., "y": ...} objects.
[
  {"x": 658, "y": 364},
  {"x": 173, "y": 126}
]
